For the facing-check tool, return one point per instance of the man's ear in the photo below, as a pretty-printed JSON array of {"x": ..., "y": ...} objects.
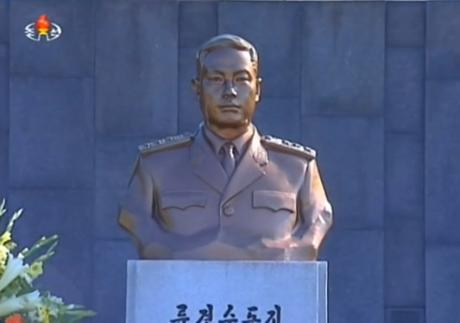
[
  {"x": 258, "y": 89},
  {"x": 196, "y": 86}
]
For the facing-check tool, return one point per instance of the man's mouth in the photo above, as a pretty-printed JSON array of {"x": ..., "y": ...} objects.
[{"x": 229, "y": 107}]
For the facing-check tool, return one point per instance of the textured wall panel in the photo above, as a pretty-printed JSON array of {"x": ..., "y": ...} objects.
[
  {"x": 279, "y": 117},
  {"x": 355, "y": 276},
  {"x": 4, "y": 81},
  {"x": 70, "y": 55},
  {"x": 275, "y": 34},
  {"x": 343, "y": 66},
  {"x": 3, "y": 165},
  {"x": 442, "y": 149},
  {"x": 114, "y": 163},
  {"x": 67, "y": 213},
  {"x": 350, "y": 155},
  {"x": 197, "y": 23},
  {"x": 404, "y": 170},
  {"x": 443, "y": 40},
  {"x": 442, "y": 284},
  {"x": 405, "y": 315},
  {"x": 106, "y": 206},
  {"x": 110, "y": 280},
  {"x": 51, "y": 132},
  {"x": 405, "y": 24},
  {"x": 4, "y": 124},
  {"x": 115, "y": 159},
  {"x": 4, "y": 14},
  {"x": 404, "y": 262},
  {"x": 189, "y": 109},
  {"x": 405, "y": 90},
  {"x": 136, "y": 68},
  {"x": 4, "y": 112}
]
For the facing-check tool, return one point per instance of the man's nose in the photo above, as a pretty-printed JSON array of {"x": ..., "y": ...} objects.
[{"x": 229, "y": 89}]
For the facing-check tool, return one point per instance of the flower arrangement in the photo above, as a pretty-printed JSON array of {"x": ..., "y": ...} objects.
[{"x": 20, "y": 302}]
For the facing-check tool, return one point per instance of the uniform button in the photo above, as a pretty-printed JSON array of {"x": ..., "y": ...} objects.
[{"x": 229, "y": 210}]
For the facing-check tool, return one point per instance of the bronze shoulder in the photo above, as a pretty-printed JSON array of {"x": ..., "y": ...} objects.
[
  {"x": 288, "y": 147},
  {"x": 167, "y": 143}
]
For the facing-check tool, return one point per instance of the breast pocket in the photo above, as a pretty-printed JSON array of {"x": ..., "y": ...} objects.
[
  {"x": 274, "y": 201},
  {"x": 183, "y": 200},
  {"x": 185, "y": 212}
]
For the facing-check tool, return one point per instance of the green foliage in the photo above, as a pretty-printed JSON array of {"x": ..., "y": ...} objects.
[{"x": 17, "y": 274}]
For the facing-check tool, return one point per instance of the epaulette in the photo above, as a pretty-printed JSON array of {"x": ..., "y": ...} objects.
[
  {"x": 290, "y": 147},
  {"x": 166, "y": 143}
]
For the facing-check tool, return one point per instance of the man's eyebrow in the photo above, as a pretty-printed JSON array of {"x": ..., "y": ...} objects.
[
  {"x": 242, "y": 71},
  {"x": 208, "y": 71},
  {"x": 216, "y": 71}
]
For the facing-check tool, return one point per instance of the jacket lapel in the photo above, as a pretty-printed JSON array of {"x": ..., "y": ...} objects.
[
  {"x": 250, "y": 168},
  {"x": 205, "y": 163}
]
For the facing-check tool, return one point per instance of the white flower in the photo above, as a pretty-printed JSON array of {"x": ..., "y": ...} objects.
[
  {"x": 14, "y": 268},
  {"x": 34, "y": 315},
  {"x": 55, "y": 299},
  {"x": 24, "y": 302}
]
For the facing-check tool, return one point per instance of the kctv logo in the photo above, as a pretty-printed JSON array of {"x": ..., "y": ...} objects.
[{"x": 43, "y": 30}]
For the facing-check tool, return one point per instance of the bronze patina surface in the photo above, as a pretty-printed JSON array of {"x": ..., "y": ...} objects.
[{"x": 226, "y": 192}]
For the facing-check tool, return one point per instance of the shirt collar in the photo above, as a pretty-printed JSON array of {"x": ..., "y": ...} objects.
[{"x": 240, "y": 142}]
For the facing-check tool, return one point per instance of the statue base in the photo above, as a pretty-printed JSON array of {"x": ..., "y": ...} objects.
[{"x": 226, "y": 291}]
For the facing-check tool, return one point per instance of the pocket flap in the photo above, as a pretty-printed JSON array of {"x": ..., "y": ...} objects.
[
  {"x": 274, "y": 200},
  {"x": 183, "y": 200}
]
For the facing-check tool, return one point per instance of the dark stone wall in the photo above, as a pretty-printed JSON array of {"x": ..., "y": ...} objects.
[{"x": 373, "y": 86}]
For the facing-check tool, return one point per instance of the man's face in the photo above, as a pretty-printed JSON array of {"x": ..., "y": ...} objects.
[{"x": 228, "y": 88}]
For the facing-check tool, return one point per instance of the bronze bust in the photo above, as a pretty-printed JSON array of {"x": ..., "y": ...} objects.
[{"x": 226, "y": 192}]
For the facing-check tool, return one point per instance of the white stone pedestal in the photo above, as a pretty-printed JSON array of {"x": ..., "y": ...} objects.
[{"x": 226, "y": 292}]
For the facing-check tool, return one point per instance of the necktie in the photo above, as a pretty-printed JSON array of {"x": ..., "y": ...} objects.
[{"x": 229, "y": 158}]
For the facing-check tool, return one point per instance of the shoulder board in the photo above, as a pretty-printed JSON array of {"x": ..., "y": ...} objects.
[
  {"x": 289, "y": 147},
  {"x": 165, "y": 143}
]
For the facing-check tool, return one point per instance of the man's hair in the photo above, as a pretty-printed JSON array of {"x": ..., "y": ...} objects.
[{"x": 226, "y": 41}]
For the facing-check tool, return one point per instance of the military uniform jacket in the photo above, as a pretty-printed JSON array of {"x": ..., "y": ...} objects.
[{"x": 180, "y": 203}]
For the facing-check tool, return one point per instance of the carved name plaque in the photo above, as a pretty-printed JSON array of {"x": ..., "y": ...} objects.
[{"x": 226, "y": 292}]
